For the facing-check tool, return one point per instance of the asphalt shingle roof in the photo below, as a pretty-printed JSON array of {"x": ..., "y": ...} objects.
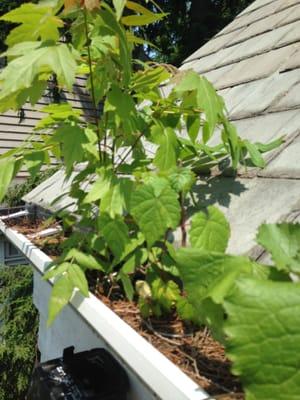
[{"x": 254, "y": 63}]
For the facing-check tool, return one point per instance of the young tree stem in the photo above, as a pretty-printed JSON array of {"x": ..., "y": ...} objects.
[{"x": 92, "y": 85}]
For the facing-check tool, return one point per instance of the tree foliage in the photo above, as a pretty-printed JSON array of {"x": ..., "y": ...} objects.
[
  {"x": 18, "y": 332},
  {"x": 189, "y": 25}
]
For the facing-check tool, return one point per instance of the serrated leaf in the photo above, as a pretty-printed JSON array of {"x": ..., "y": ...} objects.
[
  {"x": 210, "y": 230},
  {"x": 149, "y": 78},
  {"x": 165, "y": 293},
  {"x": 7, "y": 169},
  {"x": 34, "y": 161},
  {"x": 25, "y": 69},
  {"x": 125, "y": 51},
  {"x": 207, "y": 100},
  {"x": 72, "y": 138},
  {"x": 78, "y": 279},
  {"x": 61, "y": 293},
  {"x": 182, "y": 179},
  {"x": 282, "y": 241},
  {"x": 123, "y": 106},
  {"x": 166, "y": 154},
  {"x": 36, "y": 22},
  {"x": 210, "y": 275},
  {"x": 115, "y": 232},
  {"x": 87, "y": 261},
  {"x": 263, "y": 330},
  {"x": 185, "y": 310},
  {"x": 100, "y": 187},
  {"x": 117, "y": 198},
  {"x": 155, "y": 211},
  {"x": 56, "y": 270},
  {"x": 193, "y": 124}
]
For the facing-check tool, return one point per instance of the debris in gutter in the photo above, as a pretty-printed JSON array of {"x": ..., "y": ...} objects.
[
  {"x": 15, "y": 215},
  {"x": 45, "y": 233}
]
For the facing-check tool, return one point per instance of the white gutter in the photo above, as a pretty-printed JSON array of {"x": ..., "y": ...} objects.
[{"x": 150, "y": 368}]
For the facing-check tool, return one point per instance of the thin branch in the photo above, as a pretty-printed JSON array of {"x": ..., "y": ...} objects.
[
  {"x": 183, "y": 221},
  {"x": 130, "y": 150},
  {"x": 92, "y": 84}
]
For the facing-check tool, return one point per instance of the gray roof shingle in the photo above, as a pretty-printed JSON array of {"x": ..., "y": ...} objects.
[{"x": 255, "y": 64}]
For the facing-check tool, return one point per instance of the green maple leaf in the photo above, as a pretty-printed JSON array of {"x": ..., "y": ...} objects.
[
  {"x": 210, "y": 230},
  {"x": 72, "y": 138},
  {"x": 207, "y": 100},
  {"x": 166, "y": 154},
  {"x": 208, "y": 274},
  {"x": 155, "y": 209},
  {"x": 263, "y": 330},
  {"x": 7, "y": 171},
  {"x": 283, "y": 243},
  {"x": 21, "y": 72},
  {"x": 61, "y": 294},
  {"x": 182, "y": 179},
  {"x": 115, "y": 232},
  {"x": 165, "y": 293},
  {"x": 78, "y": 279},
  {"x": 117, "y": 198},
  {"x": 36, "y": 22}
]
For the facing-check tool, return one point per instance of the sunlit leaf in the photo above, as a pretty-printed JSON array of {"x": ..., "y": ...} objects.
[
  {"x": 166, "y": 154},
  {"x": 140, "y": 20},
  {"x": 36, "y": 22},
  {"x": 119, "y": 7},
  {"x": 207, "y": 100},
  {"x": 182, "y": 179},
  {"x": 263, "y": 331},
  {"x": 282, "y": 241},
  {"x": 78, "y": 279},
  {"x": 208, "y": 274},
  {"x": 209, "y": 230},
  {"x": 61, "y": 293},
  {"x": 155, "y": 211},
  {"x": 115, "y": 232},
  {"x": 87, "y": 261},
  {"x": 72, "y": 139},
  {"x": 7, "y": 169},
  {"x": 57, "y": 59},
  {"x": 254, "y": 154}
]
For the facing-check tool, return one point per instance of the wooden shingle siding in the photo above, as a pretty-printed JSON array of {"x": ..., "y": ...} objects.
[{"x": 14, "y": 129}]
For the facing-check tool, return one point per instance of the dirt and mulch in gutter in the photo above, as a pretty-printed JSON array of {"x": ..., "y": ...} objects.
[{"x": 192, "y": 349}]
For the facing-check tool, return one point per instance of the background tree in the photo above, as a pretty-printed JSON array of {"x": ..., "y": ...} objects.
[{"x": 190, "y": 24}]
